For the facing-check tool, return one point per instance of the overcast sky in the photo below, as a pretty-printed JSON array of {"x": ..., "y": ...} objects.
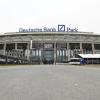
[{"x": 81, "y": 14}]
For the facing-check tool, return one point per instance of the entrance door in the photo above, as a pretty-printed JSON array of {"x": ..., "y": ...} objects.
[{"x": 48, "y": 54}]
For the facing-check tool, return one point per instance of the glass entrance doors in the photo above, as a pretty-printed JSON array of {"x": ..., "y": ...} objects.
[
  {"x": 61, "y": 56},
  {"x": 48, "y": 53},
  {"x": 48, "y": 56}
]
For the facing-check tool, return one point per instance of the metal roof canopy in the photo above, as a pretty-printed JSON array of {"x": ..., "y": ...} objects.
[
  {"x": 89, "y": 55},
  {"x": 51, "y": 33}
]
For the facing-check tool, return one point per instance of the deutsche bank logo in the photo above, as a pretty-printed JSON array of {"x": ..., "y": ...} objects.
[{"x": 61, "y": 28}]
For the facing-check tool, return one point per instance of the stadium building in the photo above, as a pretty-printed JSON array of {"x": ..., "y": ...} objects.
[{"x": 47, "y": 47}]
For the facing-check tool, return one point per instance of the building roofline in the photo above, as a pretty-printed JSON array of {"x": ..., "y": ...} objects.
[{"x": 47, "y": 33}]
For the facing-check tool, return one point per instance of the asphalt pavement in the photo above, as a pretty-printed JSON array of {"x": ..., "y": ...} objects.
[{"x": 49, "y": 82}]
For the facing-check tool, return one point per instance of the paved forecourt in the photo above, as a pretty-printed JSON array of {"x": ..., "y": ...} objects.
[{"x": 49, "y": 82}]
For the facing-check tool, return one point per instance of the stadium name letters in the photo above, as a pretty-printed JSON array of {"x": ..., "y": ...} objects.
[{"x": 61, "y": 28}]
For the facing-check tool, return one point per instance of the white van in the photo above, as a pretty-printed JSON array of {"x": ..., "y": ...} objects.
[{"x": 74, "y": 61}]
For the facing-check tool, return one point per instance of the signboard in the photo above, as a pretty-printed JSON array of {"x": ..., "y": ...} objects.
[{"x": 61, "y": 28}]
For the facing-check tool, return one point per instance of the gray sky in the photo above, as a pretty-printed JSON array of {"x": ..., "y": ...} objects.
[{"x": 82, "y": 14}]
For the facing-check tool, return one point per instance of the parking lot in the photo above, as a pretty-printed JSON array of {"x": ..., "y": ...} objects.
[{"x": 50, "y": 82}]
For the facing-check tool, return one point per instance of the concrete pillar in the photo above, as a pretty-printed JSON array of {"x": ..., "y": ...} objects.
[
  {"x": 55, "y": 53},
  {"x": 68, "y": 51},
  {"x": 93, "y": 48},
  {"x": 41, "y": 51},
  {"x": 27, "y": 52},
  {"x": 31, "y": 42},
  {"x": 4, "y": 49},
  {"x": 15, "y": 46},
  {"x": 59, "y": 51},
  {"x": 81, "y": 49},
  {"x": 67, "y": 45}
]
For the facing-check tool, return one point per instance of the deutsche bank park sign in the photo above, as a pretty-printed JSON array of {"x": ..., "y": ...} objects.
[{"x": 61, "y": 28}]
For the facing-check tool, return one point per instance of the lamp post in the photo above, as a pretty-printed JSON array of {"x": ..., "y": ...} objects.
[{"x": 31, "y": 51}]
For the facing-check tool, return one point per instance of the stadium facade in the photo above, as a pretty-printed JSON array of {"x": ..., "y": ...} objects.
[{"x": 48, "y": 47}]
